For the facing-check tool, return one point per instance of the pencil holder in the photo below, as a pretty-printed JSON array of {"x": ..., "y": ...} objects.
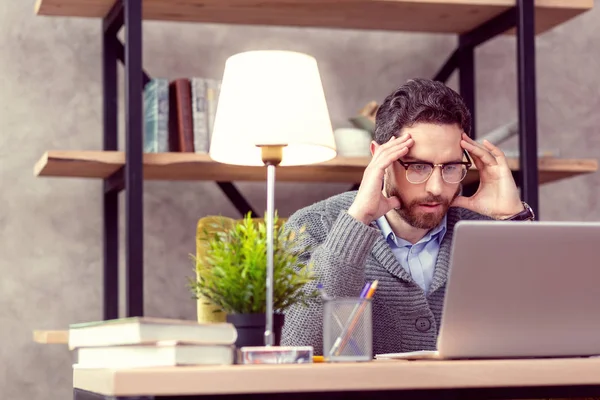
[{"x": 347, "y": 330}]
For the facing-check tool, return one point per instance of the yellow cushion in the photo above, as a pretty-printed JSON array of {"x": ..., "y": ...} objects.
[{"x": 208, "y": 312}]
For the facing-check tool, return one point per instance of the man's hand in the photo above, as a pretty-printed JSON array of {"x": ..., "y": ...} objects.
[
  {"x": 497, "y": 195},
  {"x": 370, "y": 203}
]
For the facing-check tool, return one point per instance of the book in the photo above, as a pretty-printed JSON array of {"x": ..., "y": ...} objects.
[
  {"x": 142, "y": 330},
  {"x": 200, "y": 115},
  {"x": 161, "y": 354},
  {"x": 181, "y": 131},
  {"x": 156, "y": 116}
]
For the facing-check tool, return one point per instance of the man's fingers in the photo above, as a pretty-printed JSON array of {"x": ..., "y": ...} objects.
[
  {"x": 495, "y": 151},
  {"x": 479, "y": 153},
  {"x": 467, "y": 139},
  {"x": 394, "y": 142},
  {"x": 394, "y": 146},
  {"x": 388, "y": 156},
  {"x": 476, "y": 160},
  {"x": 385, "y": 155},
  {"x": 389, "y": 152},
  {"x": 379, "y": 164}
]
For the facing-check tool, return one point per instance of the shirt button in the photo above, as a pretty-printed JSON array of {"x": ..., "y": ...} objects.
[{"x": 423, "y": 324}]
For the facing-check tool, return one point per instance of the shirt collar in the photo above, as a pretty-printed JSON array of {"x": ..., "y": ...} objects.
[{"x": 438, "y": 232}]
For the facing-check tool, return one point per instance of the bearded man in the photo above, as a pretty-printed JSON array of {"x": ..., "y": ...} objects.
[{"x": 398, "y": 227}]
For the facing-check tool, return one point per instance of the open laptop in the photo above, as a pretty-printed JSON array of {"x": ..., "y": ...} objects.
[{"x": 520, "y": 289}]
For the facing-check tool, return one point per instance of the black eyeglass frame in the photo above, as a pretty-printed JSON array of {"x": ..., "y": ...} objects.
[{"x": 407, "y": 164}]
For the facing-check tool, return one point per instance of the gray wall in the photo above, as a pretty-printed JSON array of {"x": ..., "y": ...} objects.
[{"x": 50, "y": 229}]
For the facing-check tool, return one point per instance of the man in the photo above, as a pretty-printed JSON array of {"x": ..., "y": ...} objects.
[{"x": 397, "y": 228}]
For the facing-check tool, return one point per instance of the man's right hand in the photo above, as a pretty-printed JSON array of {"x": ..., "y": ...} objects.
[{"x": 370, "y": 203}]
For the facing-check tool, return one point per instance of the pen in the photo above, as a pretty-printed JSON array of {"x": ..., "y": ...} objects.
[{"x": 365, "y": 290}]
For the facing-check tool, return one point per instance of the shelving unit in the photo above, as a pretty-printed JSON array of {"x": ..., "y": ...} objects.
[{"x": 472, "y": 21}]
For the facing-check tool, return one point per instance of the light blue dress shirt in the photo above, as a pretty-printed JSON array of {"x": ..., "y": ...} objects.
[{"x": 417, "y": 259}]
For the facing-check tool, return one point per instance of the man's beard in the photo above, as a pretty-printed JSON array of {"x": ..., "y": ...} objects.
[{"x": 409, "y": 211}]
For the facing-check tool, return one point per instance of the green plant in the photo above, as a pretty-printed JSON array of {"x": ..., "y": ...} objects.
[{"x": 232, "y": 274}]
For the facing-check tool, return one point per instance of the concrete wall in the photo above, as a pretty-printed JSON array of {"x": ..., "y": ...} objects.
[{"x": 50, "y": 229}]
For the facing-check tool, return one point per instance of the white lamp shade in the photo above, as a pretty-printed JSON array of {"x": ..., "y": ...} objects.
[{"x": 272, "y": 97}]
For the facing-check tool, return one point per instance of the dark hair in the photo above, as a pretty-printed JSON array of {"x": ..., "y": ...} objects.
[{"x": 420, "y": 100}]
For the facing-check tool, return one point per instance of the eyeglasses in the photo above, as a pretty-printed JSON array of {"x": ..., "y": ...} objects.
[{"x": 452, "y": 172}]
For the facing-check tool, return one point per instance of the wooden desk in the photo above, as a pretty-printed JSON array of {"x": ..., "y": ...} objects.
[{"x": 574, "y": 377}]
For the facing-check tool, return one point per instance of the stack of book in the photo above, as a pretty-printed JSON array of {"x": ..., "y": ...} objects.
[
  {"x": 179, "y": 114},
  {"x": 140, "y": 342}
]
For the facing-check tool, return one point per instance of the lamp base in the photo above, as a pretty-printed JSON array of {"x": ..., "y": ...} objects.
[{"x": 275, "y": 355}]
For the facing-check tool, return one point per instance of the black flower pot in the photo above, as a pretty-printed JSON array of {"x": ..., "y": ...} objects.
[{"x": 251, "y": 328}]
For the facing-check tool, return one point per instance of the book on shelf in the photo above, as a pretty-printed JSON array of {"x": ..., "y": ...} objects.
[
  {"x": 156, "y": 116},
  {"x": 179, "y": 114},
  {"x": 146, "y": 330},
  {"x": 200, "y": 114},
  {"x": 181, "y": 130},
  {"x": 160, "y": 354}
]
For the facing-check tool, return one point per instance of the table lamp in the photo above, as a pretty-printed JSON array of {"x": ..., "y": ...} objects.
[{"x": 271, "y": 112}]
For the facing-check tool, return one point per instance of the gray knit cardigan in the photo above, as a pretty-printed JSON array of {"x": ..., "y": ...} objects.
[{"x": 346, "y": 254}]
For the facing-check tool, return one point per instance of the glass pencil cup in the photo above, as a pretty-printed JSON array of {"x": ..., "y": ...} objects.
[{"x": 347, "y": 330}]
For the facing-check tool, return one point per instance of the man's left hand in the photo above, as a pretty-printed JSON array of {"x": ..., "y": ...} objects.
[{"x": 497, "y": 195}]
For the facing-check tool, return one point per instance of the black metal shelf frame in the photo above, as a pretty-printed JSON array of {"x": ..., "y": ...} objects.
[{"x": 128, "y": 14}]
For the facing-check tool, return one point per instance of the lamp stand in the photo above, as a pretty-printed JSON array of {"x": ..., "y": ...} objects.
[{"x": 271, "y": 157}]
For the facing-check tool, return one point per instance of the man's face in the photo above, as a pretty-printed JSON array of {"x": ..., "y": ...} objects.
[{"x": 424, "y": 205}]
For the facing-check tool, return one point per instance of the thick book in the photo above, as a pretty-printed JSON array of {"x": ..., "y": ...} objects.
[
  {"x": 156, "y": 116},
  {"x": 164, "y": 354},
  {"x": 200, "y": 115},
  {"x": 181, "y": 122},
  {"x": 143, "y": 330}
]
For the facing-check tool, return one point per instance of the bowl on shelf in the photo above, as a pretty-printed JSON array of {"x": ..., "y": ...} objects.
[{"x": 352, "y": 142}]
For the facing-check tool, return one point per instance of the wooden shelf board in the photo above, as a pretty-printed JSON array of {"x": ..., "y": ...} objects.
[
  {"x": 191, "y": 166},
  {"x": 439, "y": 16}
]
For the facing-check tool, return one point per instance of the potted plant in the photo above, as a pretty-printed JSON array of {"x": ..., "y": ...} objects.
[{"x": 233, "y": 271}]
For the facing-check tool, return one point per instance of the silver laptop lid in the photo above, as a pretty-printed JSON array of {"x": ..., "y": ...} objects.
[{"x": 522, "y": 289}]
